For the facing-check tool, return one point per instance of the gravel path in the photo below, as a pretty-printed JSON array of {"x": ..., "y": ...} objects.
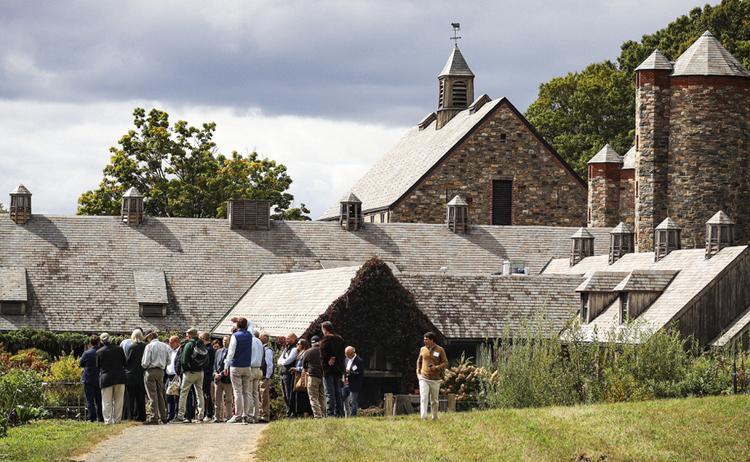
[{"x": 178, "y": 442}]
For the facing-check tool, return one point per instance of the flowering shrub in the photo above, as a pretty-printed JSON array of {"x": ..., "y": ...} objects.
[
  {"x": 66, "y": 370},
  {"x": 31, "y": 358},
  {"x": 464, "y": 380}
]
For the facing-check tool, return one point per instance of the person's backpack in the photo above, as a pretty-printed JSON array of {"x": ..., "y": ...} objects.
[{"x": 198, "y": 357}]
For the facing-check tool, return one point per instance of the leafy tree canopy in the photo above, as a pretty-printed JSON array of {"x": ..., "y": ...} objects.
[
  {"x": 580, "y": 112},
  {"x": 178, "y": 169}
]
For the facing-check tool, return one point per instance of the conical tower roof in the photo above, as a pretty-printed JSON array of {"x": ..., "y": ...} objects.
[
  {"x": 706, "y": 56},
  {"x": 582, "y": 233},
  {"x": 606, "y": 155},
  {"x": 628, "y": 160},
  {"x": 21, "y": 189},
  {"x": 720, "y": 218},
  {"x": 667, "y": 224},
  {"x": 350, "y": 198},
  {"x": 622, "y": 228},
  {"x": 655, "y": 61},
  {"x": 132, "y": 192},
  {"x": 456, "y": 65},
  {"x": 458, "y": 200}
]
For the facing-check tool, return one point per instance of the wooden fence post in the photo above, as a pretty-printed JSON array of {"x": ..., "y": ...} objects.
[
  {"x": 388, "y": 403},
  {"x": 451, "y": 402}
]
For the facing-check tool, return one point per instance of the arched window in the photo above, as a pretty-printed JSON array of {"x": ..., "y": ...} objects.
[{"x": 459, "y": 94}]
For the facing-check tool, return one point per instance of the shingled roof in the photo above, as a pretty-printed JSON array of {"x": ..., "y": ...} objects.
[
  {"x": 740, "y": 326},
  {"x": 646, "y": 281},
  {"x": 694, "y": 273},
  {"x": 80, "y": 269},
  {"x": 706, "y": 56},
  {"x": 601, "y": 281},
  {"x": 456, "y": 65},
  {"x": 606, "y": 155}
]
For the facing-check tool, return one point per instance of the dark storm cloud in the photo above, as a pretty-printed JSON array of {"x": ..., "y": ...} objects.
[{"x": 346, "y": 60}]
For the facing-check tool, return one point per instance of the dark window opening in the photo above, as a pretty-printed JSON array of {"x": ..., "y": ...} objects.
[
  {"x": 503, "y": 138},
  {"x": 624, "y": 308},
  {"x": 502, "y": 201},
  {"x": 584, "y": 308},
  {"x": 153, "y": 310},
  {"x": 12, "y": 308},
  {"x": 459, "y": 94}
]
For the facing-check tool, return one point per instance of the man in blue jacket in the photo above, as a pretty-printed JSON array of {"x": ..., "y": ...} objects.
[
  {"x": 353, "y": 378},
  {"x": 90, "y": 380}
]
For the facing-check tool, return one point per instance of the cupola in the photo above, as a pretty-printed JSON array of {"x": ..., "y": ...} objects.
[
  {"x": 719, "y": 233},
  {"x": 582, "y": 245},
  {"x": 20, "y": 205},
  {"x": 621, "y": 242},
  {"x": 666, "y": 238},
  {"x": 456, "y": 84},
  {"x": 131, "y": 212},
  {"x": 350, "y": 217},
  {"x": 458, "y": 215}
]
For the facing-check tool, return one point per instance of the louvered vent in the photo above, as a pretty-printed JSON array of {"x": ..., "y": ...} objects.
[
  {"x": 249, "y": 214},
  {"x": 502, "y": 202},
  {"x": 153, "y": 310},
  {"x": 459, "y": 94},
  {"x": 12, "y": 308}
]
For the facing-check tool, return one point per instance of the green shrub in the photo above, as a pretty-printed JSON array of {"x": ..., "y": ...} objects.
[
  {"x": 69, "y": 393},
  {"x": 21, "y": 397},
  {"x": 31, "y": 358}
]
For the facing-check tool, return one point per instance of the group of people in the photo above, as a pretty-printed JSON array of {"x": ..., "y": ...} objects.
[{"x": 229, "y": 380}]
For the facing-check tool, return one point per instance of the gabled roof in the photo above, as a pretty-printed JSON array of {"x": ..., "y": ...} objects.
[
  {"x": 80, "y": 268},
  {"x": 694, "y": 274},
  {"x": 740, "y": 325},
  {"x": 601, "y": 281},
  {"x": 21, "y": 189},
  {"x": 706, "y": 56},
  {"x": 418, "y": 152},
  {"x": 646, "y": 281},
  {"x": 606, "y": 155},
  {"x": 628, "y": 160},
  {"x": 655, "y": 61},
  {"x": 13, "y": 284},
  {"x": 456, "y": 65}
]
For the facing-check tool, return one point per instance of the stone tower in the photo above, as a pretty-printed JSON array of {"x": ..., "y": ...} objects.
[
  {"x": 692, "y": 142},
  {"x": 456, "y": 87},
  {"x": 604, "y": 188}
]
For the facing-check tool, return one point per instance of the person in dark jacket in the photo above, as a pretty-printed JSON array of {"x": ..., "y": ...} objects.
[
  {"x": 208, "y": 370},
  {"x": 135, "y": 387},
  {"x": 90, "y": 380},
  {"x": 110, "y": 359},
  {"x": 353, "y": 376},
  {"x": 332, "y": 358},
  {"x": 222, "y": 385},
  {"x": 312, "y": 365}
]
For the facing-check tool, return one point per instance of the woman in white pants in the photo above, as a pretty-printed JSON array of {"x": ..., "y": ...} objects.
[{"x": 110, "y": 359}]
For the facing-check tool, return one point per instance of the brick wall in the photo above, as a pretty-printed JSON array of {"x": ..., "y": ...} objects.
[{"x": 544, "y": 191}]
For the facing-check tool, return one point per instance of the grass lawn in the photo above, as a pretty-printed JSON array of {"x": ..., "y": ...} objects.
[
  {"x": 715, "y": 428},
  {"x": 50, "y": 440}
]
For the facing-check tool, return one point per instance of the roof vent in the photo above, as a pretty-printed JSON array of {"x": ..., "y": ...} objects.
[
  {"x": 719, "y": 233},
  {"x": 621, "y": 242},
  {"x": 478, "y": 103},
  {"x": 458, "y": 215},
  {"x": 151, "y": 293},
  {"x": 249, "y": 214},
  {"x": 350, "y": 217},
  {"x": 428, "y": 119},
  {"x": 20, "y": 205},
  {"x": 582, "y": 246},
  {"x": 131, "y": 212},
  {"x": 666, "y": 238},
  {"x": 13, "y": 292}
]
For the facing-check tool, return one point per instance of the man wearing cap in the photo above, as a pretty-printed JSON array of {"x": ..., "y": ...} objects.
[
  {"x": 312, "y": 365},
  {"x": 192, "y": 361},
  {"x": 155, "y": 359}
]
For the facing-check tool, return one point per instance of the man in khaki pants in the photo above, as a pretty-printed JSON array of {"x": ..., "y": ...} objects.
[
  {"x": 256, "y": 375},
  {"x": 311, "y": 363},
  {"x": 266, "y": 380}
]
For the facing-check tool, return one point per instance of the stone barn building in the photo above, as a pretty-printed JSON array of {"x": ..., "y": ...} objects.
[
  {"x": 692, "y": 148},
  {"x": 483, "y": 149}
]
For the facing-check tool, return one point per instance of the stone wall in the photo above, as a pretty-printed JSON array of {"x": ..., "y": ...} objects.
[
  {"x": 708, "y": 154},
  {"x": 627, "y": 196},
  {"x": 604, "y": 195},
  {"x": 544, "y": 191}
]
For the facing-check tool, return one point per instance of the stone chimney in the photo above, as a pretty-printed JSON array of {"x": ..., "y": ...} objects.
[
  {"x": 719, "y": 233},
  {"x": 457, "y": 215},
  {"x": 666, "y": 238},
  {"x": 131, "y": 212},
  {"x": 350, "y": 217},
  {"x": 604, "y": 188},
  {"x": 621, "y": 242},
  {"x": 20, "y": 205},
  {"x": 249, "y": 214},
  {"x": 582, "y": 246}
]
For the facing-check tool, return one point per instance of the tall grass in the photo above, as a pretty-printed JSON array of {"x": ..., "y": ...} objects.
[{"x": 539, "y": 370}]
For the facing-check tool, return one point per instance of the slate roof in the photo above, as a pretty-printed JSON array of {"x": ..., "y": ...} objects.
[
  {"x": 416, "y": 153},
  {"x": 13, "y": 284},
  {"x": 655, "y": 61},
  {"x": 646, "y": 281},
  {"x": 456, "y": 65},
  {"x": 628, "y": 160},
  {"x": 482, "y": 307},
  {"x": 272, "y": 307},
  {"x": 695, "y": 273},
  {"x": 606, "y": 155},
  {"x": 601, "y": 281},
  {"x": 735, "y": 330},
  {"x": 150, "y": 287},
  {"x": 622, "y": 228},
  {"x": 80, "y": 268},
  {"x": 706, "y": 56},
  {"x": 720, "y": 218},
  {"x": 667, "y": 223}
]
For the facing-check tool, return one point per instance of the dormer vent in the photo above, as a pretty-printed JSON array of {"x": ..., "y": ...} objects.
[
  {"x": 666, "y": 238},
  {"x": 621, "y": 242},
  {"x": 131, "y": 212},
  {"x": 151, "y": 293},
  {"x": 428, "y": 119},
  {"x": 478, "y": 103},
  {"x": 457, "y": 215},
  {"x": 582, "y": 246},
  {"x": 719, "y": 233},
  {"x": 20, "y": 205},
  {"x": 249, "y": 214},
  {"x": 13, "y": 291},
  {"x": 350, "y": 217}
]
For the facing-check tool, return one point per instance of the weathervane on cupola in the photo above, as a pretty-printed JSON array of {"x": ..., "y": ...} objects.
[
  {"x": 456, "y": 83},
  {"x": 456, "y": 29}
]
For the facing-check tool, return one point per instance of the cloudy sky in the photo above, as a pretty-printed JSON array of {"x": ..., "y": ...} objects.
[{"x": 323, "y": 87}]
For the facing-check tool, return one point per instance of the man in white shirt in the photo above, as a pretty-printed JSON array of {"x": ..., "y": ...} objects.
[
  {"x": 286, "y": 363},
  {"x": 155, "y": 359},
  {"x": 172, "y": 400}
]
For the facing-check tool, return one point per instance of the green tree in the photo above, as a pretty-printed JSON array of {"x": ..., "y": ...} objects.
[
  {"x": 178, "y": 169},
  {"x": 580, "y": 112}
]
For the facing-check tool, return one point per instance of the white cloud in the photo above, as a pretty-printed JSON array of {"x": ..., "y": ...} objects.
[{"x": 58, "y": 150}]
